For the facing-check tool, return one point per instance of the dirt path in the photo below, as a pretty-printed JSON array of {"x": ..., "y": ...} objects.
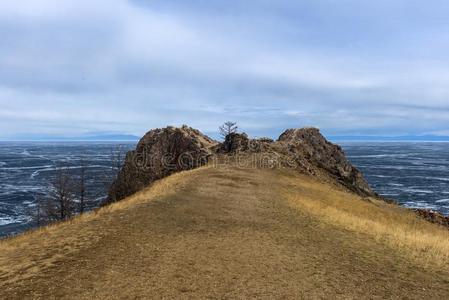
[{"x": 225, "y": 234}]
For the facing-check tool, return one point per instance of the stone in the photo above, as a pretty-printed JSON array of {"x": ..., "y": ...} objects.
[{"x": 160, "y": 153}]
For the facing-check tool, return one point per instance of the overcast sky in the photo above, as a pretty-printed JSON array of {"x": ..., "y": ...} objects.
[{"x": 349, "y": 67}]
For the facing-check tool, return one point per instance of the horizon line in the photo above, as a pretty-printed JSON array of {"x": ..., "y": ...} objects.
[{"x": 335, "y": 138}]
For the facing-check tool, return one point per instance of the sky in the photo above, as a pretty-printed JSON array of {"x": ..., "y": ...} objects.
[{"x": 349, "y": 67}]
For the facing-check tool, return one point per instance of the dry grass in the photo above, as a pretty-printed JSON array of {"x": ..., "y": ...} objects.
[
  {"x": 424, "y": 243},
  {"x": 161, "y": 188},
  {"x": 216, "y": 233},
  {"x": 65, "y": 238}
]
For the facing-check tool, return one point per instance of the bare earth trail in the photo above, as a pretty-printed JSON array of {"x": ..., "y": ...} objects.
[{"x": 211, "y": 233}]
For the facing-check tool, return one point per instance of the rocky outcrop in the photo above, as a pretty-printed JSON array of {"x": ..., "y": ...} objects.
[
  {"x": 309, "y": 145},
  {"x": 235, "y": 142},
  {"x": 162, "y": 152},
  {"x": 158, "y": 154},
  {"x": 433, "y": 217}
]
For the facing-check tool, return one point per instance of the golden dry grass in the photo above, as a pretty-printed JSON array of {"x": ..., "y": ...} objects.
[
  {"x": 425, "y": 243},
  {"x": 224, "y": 233},
  {"x": 76, "y": 231},
  {"x": 161, "y": 188}
]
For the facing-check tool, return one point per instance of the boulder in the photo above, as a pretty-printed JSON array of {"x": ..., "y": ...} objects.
[
  {"x": 158, "y": 154},
  {"x": 309, "y": 145}
]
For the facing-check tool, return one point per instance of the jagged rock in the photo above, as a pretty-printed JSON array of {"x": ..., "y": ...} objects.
[
  {"x": 310, "y": 144},
  {"x": 160, "y": 153}
]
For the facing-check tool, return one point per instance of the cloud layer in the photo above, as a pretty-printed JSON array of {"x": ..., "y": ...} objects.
[{"x": 349, "y": 67}]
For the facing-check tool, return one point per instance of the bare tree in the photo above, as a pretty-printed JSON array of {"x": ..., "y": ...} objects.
[
  {"x": 82, "y": 186},
  {"x": 37, "y": 212},
  {"x": 67, "y": 192},
  {"x": 228, "y": 128},
  {"x": 116, "y": 161},
  {"x": 60, "y": 204}
]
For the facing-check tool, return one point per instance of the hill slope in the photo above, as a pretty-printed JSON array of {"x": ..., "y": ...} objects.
[{"x": 230, "y": 233}]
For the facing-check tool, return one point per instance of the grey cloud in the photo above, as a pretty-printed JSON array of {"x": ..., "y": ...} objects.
[{"x": 355, "y": 67}]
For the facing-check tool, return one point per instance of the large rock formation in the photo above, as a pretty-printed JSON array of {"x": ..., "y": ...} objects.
[
  {"x": 158, "y": 154},
  {"x": 308, "y": 144},
  {"x": 162, "y": 152}
]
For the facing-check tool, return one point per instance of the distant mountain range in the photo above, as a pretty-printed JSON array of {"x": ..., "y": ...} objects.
[
  {"x": 88, "y": 137},
  {"x": 403, "y": 138}
]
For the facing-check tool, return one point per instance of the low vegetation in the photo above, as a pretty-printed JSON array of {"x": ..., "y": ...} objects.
[
  {"x": 68, "y": 193},
  {"x": 390, "y": 224}
]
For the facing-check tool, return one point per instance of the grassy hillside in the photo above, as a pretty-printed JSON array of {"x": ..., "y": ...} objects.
[{"x": 232, "y": 233}]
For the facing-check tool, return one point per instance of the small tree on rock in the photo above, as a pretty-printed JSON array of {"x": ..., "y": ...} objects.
[{"x": 227, "y": 128}]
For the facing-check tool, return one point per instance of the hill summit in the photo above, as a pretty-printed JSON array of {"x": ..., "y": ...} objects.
[
  {"x": 262, "y": 219},
  {"x": 162, "y": 152}
]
